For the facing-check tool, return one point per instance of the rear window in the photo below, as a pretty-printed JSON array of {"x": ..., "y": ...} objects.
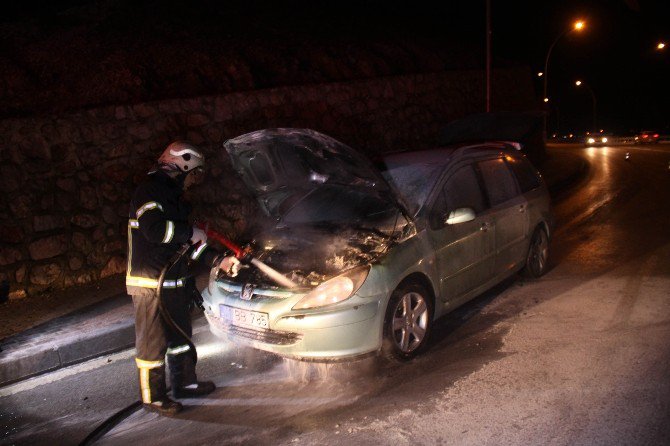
[
  {"x": 525, "y": 173},
  {"x": 498, "y": 181}
]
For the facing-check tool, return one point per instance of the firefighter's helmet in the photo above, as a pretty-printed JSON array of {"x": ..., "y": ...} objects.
[{"x": 182, "y": 156}]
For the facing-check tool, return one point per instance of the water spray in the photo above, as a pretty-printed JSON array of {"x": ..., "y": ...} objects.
[{"x": 245, "y": 256}]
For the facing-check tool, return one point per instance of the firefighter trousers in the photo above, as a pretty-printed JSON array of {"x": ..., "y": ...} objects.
[{"x": 156, "y": 341}]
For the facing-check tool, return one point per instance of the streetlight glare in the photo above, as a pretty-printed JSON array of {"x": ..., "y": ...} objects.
[
  {"x": 540, "y": 74},
  {"x": 660, "y": 46},
  {"x": 578, "y": 83},
  {"x": 577, "y": 26}
]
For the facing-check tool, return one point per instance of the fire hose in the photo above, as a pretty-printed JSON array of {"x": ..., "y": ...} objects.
[
  {"x": 165, "y": 314},
  {"x": 245, "y": 256}
]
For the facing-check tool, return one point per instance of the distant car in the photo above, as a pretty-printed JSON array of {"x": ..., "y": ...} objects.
[
  {"x": 647, "y": 137},
  {"x": 377, "y": 251},
  {"x": 598, "y": 140}
]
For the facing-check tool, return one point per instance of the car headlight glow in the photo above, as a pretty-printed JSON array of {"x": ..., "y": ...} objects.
[
  {"x": 604, "y": 139},
  {"x": 334, "y": 290},
  {"x": 591, "y": 140}
]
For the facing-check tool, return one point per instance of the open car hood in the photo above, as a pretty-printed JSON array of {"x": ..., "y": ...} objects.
[
  {"x": 331, "y": 208},
  {"x": 289, "y": 170}
]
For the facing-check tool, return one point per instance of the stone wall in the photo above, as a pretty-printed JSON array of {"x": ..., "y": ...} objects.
[{"x": 66, "y": 180}]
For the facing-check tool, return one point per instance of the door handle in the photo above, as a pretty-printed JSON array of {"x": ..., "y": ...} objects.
[
  {"x": 485, "y": 226},
  {"x": 522, "y": 208}
]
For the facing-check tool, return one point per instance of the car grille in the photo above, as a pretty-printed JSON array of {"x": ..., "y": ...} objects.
[
  {"x": 267, "y": 336},
  {"x": 262, "y": 293}
]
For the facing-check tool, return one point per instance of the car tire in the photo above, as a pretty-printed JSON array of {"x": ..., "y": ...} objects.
[
  {"x": 408, "y": 322},
  {"x": 538, "y": 254}
]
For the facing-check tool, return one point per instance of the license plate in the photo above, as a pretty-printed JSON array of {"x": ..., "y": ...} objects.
[{"x": 244, "y": 318}]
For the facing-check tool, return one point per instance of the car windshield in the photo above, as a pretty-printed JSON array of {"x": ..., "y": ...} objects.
[{"x": 412, "y": 181}]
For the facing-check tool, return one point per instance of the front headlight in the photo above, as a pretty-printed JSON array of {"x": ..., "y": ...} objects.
[
  {"x": 334, "y": 290},
  {"x": 591, "y": 140}
]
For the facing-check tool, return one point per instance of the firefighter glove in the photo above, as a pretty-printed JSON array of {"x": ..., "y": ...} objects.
[
  {"x": 199, "y": 236},
  {"x": 231, "y": 266}
]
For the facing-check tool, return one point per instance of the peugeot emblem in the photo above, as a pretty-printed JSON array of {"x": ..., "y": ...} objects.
[{"x": 247, "y": 291}]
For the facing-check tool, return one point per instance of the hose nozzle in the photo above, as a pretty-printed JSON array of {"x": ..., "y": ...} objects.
[
  {"x": 245, "y": 256},
  {"x": 237, "y": 251}
]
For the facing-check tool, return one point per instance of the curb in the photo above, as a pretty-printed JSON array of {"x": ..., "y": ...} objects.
[
  {"x": 35, "y": 361},
  {"x": 101, "y": 328}
]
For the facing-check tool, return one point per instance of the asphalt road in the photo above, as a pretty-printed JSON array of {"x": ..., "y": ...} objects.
[{"x": 579, "y": 357}]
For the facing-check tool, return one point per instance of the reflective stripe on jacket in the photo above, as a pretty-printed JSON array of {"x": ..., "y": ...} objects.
[{"x": 157, "y": 227}]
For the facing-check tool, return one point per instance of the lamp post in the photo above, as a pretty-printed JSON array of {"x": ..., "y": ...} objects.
[
  {"x": 488, "y": 56},
  {"x": 577, "y": 26},
  {"x": 660, "y": 46},
  {"x": 579, "y": 83}
]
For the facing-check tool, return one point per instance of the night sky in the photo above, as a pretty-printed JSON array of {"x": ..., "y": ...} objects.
[{"x": 615, "y": 55}]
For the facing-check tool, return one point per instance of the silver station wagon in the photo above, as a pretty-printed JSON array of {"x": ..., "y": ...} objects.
[{"x": 374, "y": 253}]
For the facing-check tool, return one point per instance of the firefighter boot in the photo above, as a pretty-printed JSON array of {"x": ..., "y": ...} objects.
[
  {"x": 152, "y": 388},
  {"x": 184, "y": 382}
]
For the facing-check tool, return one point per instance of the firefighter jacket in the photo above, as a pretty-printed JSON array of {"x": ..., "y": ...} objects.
[{"x": 157, "y": 228}]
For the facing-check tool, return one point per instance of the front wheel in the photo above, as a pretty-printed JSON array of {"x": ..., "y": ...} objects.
[
  {"x": 408, "y": 321},
  {"x": 538, "y": 254}
]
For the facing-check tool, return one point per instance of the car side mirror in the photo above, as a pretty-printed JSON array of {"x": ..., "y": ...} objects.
[{"x": 460, "y": 215}]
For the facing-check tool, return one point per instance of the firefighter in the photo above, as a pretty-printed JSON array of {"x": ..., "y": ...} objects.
[{"x": 158, "y": 227}]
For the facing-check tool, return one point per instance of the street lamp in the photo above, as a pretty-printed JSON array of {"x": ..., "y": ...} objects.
[
  {"x": 577, "y": 26},
  {"x": 660, "y": 46},
  {"x": 579, "y": 83},
  {"x": 488, "y": 56}
]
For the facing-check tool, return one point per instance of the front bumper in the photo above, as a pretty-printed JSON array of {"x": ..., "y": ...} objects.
[{"x": 341, "y": 332}]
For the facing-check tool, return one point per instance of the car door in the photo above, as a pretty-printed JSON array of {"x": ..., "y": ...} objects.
[
  {"x": 508, "y": 212},
  {"x": 464, "y": 252}
]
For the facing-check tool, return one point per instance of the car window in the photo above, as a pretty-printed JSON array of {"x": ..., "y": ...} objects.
[
  {"x": 524, "y": 172},
  {"x": 461, "y": 190},
  {"x": 498, "y": 181}
]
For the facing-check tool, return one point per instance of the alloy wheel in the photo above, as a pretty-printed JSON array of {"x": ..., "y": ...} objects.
[
  {"x": 410, "y": 322},
  {"x": 539, "y": 253}
]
